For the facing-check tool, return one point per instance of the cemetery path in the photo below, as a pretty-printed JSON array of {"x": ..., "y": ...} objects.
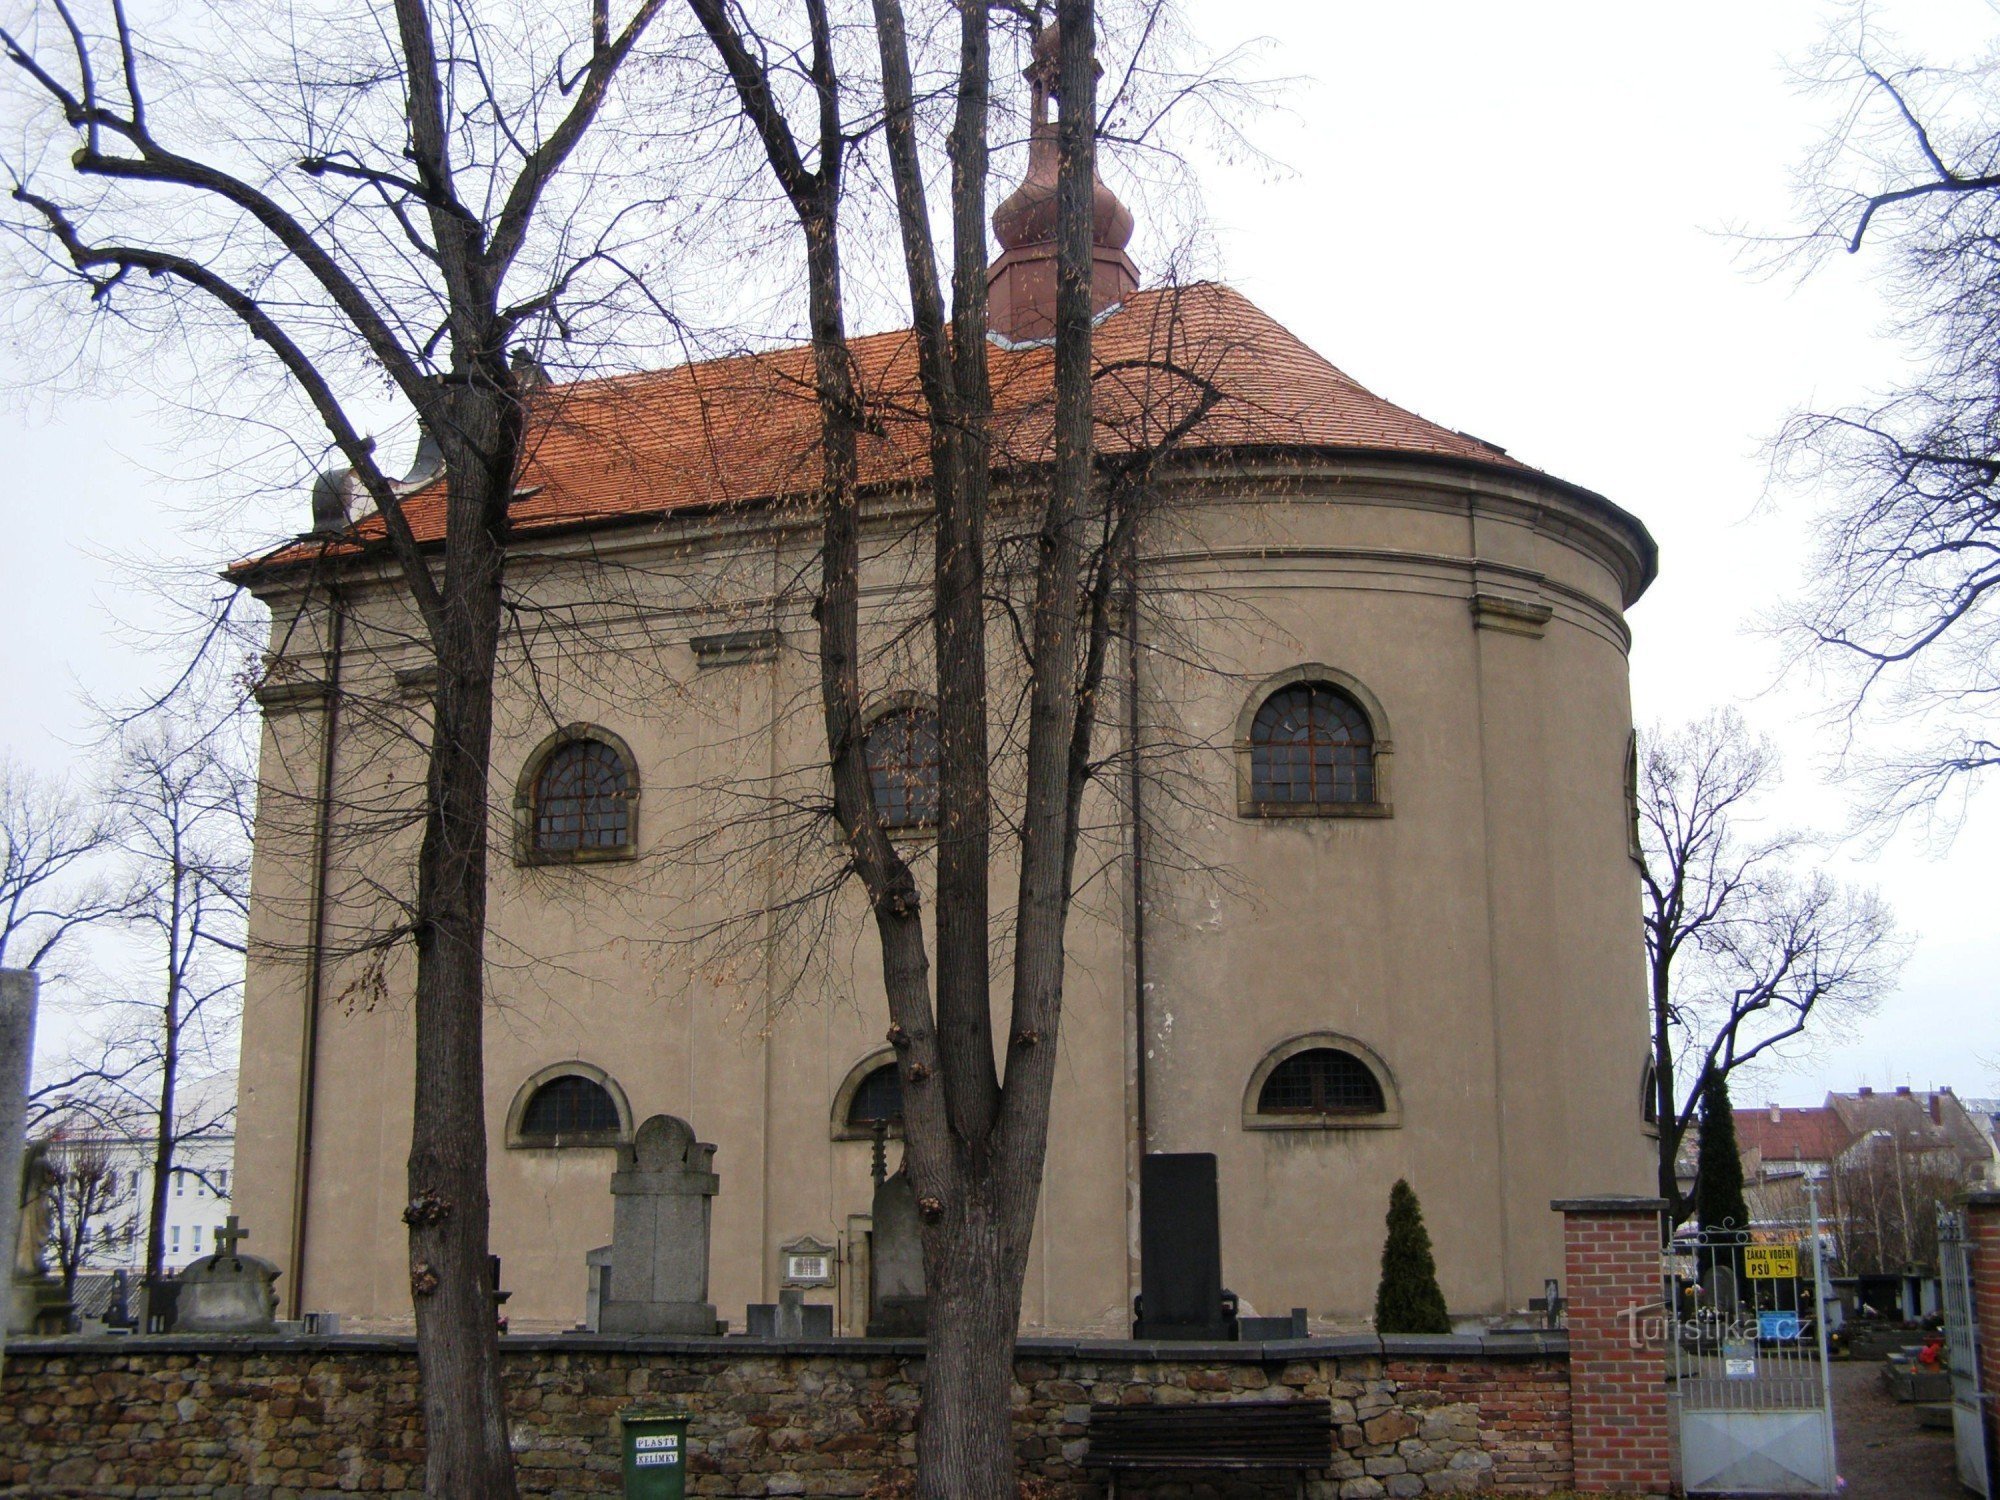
[{"x": 1884, "y": 1454}]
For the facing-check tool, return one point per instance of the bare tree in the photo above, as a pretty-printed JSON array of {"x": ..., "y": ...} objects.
[
  {"x": 1902, "y": 607},
  {"x": 1041, "y": 562},
  {"x": 1886, "y": 1191},
  {"x": 1744, "y": 951},
  {"x": 185, "y": 805},
  {"x": 48, "y": 887},
  {"x": 90, "y": 1203},
  {"x": 381, "y": 213}
]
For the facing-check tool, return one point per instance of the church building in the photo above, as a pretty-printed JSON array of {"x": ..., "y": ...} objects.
[{"x": 1357, "y": 903}]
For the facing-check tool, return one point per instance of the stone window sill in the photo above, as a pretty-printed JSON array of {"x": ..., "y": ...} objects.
[
  {"x": 1323, "y": 1123},
  {"x": 1314, "y": 810},
  {"x": 579, "y": 1141},
  {"x": 575, "y": 856}
]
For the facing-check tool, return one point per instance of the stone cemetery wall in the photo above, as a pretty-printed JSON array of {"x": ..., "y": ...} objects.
[{"x": 270, "y": 1419}]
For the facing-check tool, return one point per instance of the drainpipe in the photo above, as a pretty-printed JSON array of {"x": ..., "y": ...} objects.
[
  {"x": 316, "y": 959},
  {"x": 1140, "y": 1020}
]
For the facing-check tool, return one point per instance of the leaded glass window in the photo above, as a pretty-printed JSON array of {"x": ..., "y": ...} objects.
[
  {"x": 571, "y": 1105},
  {"x": 1311, "y": 743},
  {"x": 878, "y": 1097},
  {"x": 902, "y": 757},
  {"x": 1321, "y": 1081},
  {"x": 582, "y": 800}
]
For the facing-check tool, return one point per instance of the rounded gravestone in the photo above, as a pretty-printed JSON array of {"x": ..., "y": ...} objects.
[
  {"x": 662, "y": 1143},
  {"x": 228, "y": 1294}
]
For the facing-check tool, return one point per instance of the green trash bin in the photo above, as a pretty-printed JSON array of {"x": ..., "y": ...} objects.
[{"x": 655, "y": 1445}]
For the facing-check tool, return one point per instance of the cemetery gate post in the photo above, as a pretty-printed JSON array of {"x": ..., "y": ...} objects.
[{"x": 1617, "y": 1353}]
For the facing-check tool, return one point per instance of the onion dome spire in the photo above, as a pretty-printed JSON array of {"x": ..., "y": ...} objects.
[{"x": 1021, "y": 284}]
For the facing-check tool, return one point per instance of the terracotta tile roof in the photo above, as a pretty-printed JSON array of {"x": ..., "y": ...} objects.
[
  {"x": 1791, "y": 1134},
  {"x": 742, "y": 429}
]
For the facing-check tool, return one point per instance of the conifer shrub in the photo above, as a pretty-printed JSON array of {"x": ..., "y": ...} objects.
[
  {"x": 1718, "y": 1186},
  {"x": 1408, "y": 1299}
]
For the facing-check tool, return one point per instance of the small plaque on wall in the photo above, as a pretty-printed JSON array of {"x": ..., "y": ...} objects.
[{"x": 806, "y": 1262}]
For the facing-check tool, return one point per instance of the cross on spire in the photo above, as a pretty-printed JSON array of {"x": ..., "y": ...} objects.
[{"x": 227, "y": 1236}]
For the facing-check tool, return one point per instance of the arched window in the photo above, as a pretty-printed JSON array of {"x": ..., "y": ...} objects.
[
  {"x": 578, "y": 798},
  {"x": 878, "y": 1098},
  {"x": 1311, "y": 745},
  {"x": 870, "y": 1094},
  {"x": 1320, "y": 1081},
  {"x": 902, "y": 755},
  {"x": 568, "y": 1104}
]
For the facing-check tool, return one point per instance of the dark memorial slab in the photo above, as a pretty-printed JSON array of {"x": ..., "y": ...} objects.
[{"x": 1180, "y": 1250}]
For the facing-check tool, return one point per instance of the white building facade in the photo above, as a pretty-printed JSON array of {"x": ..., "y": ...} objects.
[{"x": 198, "y": 1200}]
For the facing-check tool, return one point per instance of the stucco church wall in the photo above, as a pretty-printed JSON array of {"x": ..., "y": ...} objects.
[{"x": 1483, "y": 940}]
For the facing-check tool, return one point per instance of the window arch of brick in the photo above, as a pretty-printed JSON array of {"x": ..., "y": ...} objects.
[
  {"x": 870, "y": 1088},
  {"x": 577, "y": 799},
  {"x": 900, "y": 750},
  {"x": 566, "y": 1105},
  {"x": 1322, "y": 1080}
]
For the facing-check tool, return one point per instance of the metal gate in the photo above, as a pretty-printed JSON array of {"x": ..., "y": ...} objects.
[
  {"x": 1961, "y": 1335},
  {"x": 1747, "y": 1368}
]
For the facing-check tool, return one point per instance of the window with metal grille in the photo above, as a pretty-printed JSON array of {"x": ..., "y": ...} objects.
[
  {"x": 1311, "y": 743},
  {"x": 902, "y": 758},
  {"x": 878, "y": 1097},
  {"x": 581, "y": 800},
  {"x": 1321, "y": 1081},
  {"x": 569, "y": 1106}
]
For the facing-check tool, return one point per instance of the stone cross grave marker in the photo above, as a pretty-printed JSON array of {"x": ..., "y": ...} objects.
[{"x": 229, "y": 1235}]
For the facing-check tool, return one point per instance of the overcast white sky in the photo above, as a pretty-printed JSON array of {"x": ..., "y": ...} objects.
[{"x": 1514, "y": 220}]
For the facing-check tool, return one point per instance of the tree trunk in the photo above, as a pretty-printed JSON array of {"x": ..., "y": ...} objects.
[
  {"x": 458, "y": 1354},
  {"x": 170, "y": 1067},
  {"x": 1666, "y": 1106},
  {"x": 973, "y": 1264}
]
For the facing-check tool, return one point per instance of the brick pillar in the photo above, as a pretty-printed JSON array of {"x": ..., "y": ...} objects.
[
  {"x": 1982, "y": 1232},
  {"x": 1617, "y": 1357}
]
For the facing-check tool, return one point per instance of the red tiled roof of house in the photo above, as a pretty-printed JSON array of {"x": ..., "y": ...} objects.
[
  {"x": 1791, "y": 1133},
  {"x": 742, "y": 429}
]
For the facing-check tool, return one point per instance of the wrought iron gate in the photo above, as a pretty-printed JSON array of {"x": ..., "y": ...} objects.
[
  {"x": 1747, "y": 1365},
  {"x": 1961, "y": 1334}
]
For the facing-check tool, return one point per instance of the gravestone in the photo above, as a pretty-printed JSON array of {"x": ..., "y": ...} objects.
[
  {"x": 661, "y": 1196},
  {"x": 499, "y": 1297},
  {"x": 790, "y": 1317},
  {"x": 1180, "y": 1250},
  {"x": 228, "y": 1291},
  {"x": 897, "y": 1306},
  {"x": 597, "y": 1273},
  {"x": 1255, "y": 1330}
]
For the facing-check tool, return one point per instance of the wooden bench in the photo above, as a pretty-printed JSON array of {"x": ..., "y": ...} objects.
[{"x": 1295, "y": 1435}]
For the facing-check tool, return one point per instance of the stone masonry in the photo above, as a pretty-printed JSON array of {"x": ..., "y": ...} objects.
[{"x": 296, "y": 1419}]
